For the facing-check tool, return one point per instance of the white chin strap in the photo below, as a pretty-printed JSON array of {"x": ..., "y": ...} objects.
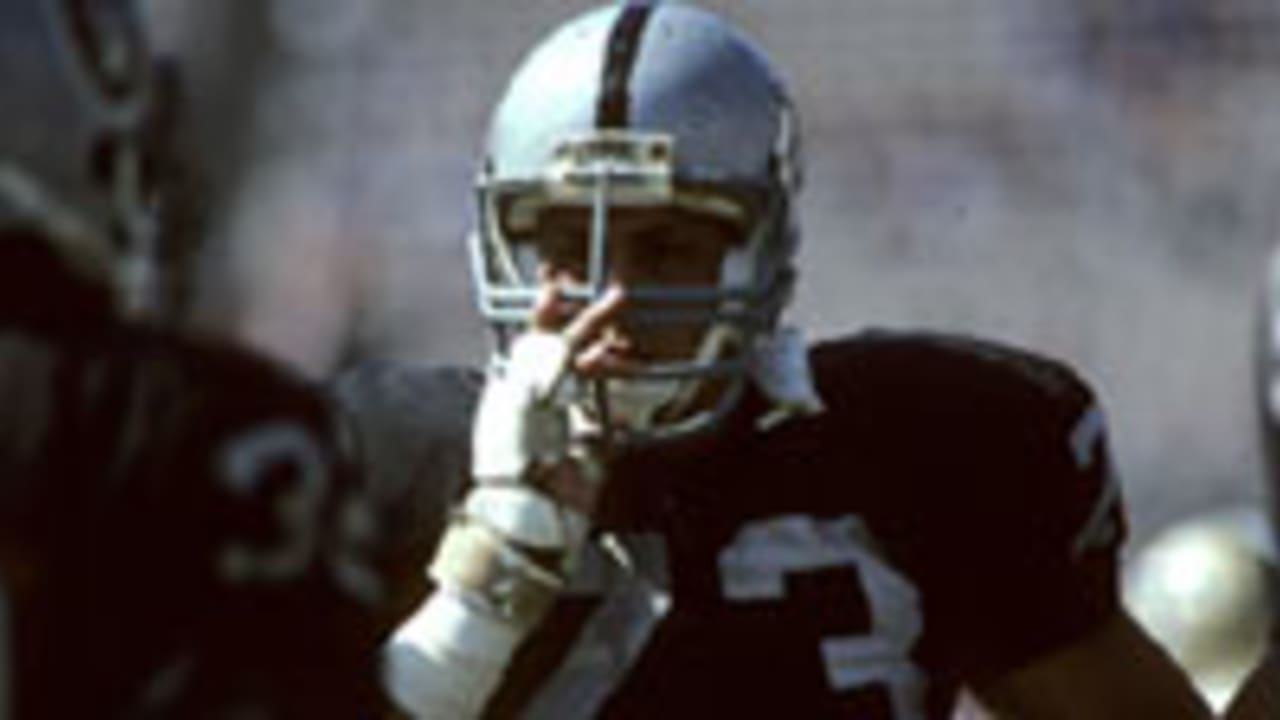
[
  {"x": 779, "y": 369},
  {"x": 636, "y": 404}
]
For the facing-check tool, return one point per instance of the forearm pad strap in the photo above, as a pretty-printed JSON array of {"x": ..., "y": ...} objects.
[{"x": 476, "y": 559}]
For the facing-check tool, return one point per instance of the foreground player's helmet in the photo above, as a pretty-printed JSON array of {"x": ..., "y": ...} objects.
[
  {"x": 1202, "y": 588},
  {"x": 87, "y": 116},
  {"x": 646, "y": 105}
]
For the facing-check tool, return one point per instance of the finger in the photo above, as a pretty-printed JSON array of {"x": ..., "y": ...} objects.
[
  {"x": 594, "y": 318},
  {"x": 546, "y": 314},
  {"x": 603, "y": 359}
]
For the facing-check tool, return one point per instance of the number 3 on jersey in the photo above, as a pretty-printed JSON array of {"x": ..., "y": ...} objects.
[
  {"x": 773, "y": 560},
  {"x": 248, "y": 464}
]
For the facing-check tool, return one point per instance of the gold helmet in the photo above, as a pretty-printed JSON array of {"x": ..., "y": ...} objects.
[{"x": 1203, "y": 588}]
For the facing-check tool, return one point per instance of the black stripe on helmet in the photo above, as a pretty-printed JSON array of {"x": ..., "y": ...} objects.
[{"x": 614, "y": 106}]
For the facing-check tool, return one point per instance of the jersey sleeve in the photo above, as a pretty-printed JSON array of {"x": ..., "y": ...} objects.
[
  {"x": 413, "y": 427},
  {"x": 1027, "y": 521}
]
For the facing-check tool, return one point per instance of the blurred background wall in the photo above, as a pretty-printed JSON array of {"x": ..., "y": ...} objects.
[{"x": 1098, "y": 180}]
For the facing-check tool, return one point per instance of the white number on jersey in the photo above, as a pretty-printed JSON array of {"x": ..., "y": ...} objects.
[
  {"x": 764, "y": 554},
  {"x": 246, "y": 464},
  {"x": 1087, "y": 446}
]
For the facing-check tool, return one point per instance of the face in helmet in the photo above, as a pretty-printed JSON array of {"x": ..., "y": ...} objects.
[
  {"x": 652, "y": 148},
  {"x": 88, "y": 121}
]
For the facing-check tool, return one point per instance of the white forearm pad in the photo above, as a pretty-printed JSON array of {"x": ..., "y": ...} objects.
[
  {"x": 490, "y": 553},
  {"x": 517, "y": 422},
  {"x": 447, "y": 659},
  {"x": 527, "y": 516},
  {"x": 504, "y": 433}
]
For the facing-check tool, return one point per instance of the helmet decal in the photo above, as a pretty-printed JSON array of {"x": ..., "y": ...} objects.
[{"x": 613, "y": 109}]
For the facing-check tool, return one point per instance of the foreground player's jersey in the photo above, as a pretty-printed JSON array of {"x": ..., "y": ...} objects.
[
  {"x": 951, "y": 516},
  {"x": 181, "y": 530}
]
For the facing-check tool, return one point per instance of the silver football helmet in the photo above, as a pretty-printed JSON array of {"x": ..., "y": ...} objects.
[
  {"x": 86, "y": 113},
  {"x": 645, "y": 105}
]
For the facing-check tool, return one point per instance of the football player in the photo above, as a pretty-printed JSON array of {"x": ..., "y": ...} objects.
[
  {"x": 675, "y": 507},
  {"x": 1260, "y": 696},
  {"x": 180, "y": 532}
]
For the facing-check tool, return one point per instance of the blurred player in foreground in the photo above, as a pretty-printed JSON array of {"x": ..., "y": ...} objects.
[{"x": 180, "y": 534}]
